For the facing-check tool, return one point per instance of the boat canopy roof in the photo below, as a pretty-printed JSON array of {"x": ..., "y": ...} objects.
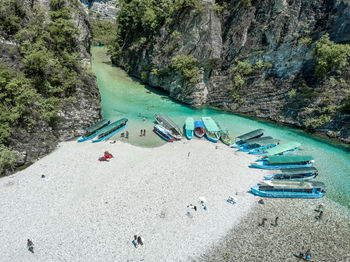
[
  {"x": 97, "y": 126},
  {"x": 251, "y": 134},
  {"x": 167, "y": 121},
  {"x": 198, "y": 124},
  {"x": 282, "y": 148},
  {"x": 288, "y": 159},
  {"x": 189, "y": 124},
  {"x": 293, "y": 184},
  {"x": 257, "y": 140},
  {"x": 299, "y": 171},
  {"x": 210, "y": 124},
  {"x": 268, "y": 142},
  {"x": 114, "y": 125}
]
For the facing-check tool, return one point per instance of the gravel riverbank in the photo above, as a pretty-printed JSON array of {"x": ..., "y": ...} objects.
[{"x": 328, "y": 238}]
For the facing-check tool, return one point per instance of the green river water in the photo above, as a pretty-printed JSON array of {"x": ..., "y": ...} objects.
[{"x": 123, "y": 96}]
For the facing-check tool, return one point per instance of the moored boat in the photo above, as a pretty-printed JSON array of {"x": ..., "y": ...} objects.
[
  {"x": 240, "y": 140},
  {"x": 290, "y": 189},
  {"x": 189, "y": 127},
  {"x": 287, "y": 148},
  {"x": 212, "y": 130},
  {"x": 163, "y": 133},
  {"x": 199, "y": 129},
  {"x": 168, "y": 124},
  {"x": 224, "y": 136},
  {"x": 295, "y": 174},
  {"x": 110, "y": 130},
  {"x": 93, "y": 130},
  {"x": 261, "y": 147},
  {"x": 281, "y": 162}
]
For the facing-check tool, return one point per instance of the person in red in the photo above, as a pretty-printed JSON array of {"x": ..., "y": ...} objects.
[{"x": 108, "y": 155}]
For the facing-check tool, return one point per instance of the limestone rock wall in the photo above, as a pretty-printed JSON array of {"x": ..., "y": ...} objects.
[{"x": 272, "y": 32}]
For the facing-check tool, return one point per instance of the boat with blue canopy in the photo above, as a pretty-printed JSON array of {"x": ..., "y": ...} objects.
[
  {"x": 212, "y": 130},
  {"x": 290, "y": 189},
  {"x": 199, "y": 129},
  {"x": 189, "y": 127},
  {"x": 261, "y": 147},
  {"x": 110, "y": 130},
  {"x": 284, "y": 149},
  {"x": 281, "y": 162},
  {"x": 295, "y": 174},
  {"x": 242, "y": 139},
  {"x": 93, "y": 130},
  {"x": 163, "y": 133}
]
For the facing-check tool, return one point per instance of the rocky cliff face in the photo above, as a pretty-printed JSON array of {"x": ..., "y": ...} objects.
[
  {"x": 29, "y": 142},
  {"x": 256, "y": 60}
]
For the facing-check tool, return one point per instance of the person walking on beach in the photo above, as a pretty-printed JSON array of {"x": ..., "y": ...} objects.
[
  {"x": 134, "y": 242},
  {"x": 144, "y": 132},
  {"x": 276, "y": 220},
  {"x": 320, "y": 215},
  {"x": 126, "y": 134},
  {"x": 302, "y": 252},
  {"x": 30, "y": 246},
  {"x": 308, "y": 255},
  {"x": 262, "y": 224},
  {"x": 140, "y": 240}
]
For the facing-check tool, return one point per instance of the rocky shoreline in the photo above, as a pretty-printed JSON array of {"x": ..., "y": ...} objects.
[{"x": 327, "y": 238}]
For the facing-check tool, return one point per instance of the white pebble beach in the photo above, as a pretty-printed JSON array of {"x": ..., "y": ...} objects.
[{"x": 87, "y": 210}]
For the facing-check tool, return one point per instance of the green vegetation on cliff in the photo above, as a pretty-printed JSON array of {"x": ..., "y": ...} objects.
[
  {"x": 330, "y": 56},
  {"x": 186, "y": 65},
  {"x": 142, "y": 19},
  {"x": 48, "y": 75}
]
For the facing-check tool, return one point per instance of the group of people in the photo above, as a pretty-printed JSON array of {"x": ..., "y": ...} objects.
[
  {"x": 262, "y": 224},
  {"x": 138, "y": 240},
  {"x": 143, "y": 132},
  {"x": 106, "y": 156},
  {"x": 305, "y": 255}
]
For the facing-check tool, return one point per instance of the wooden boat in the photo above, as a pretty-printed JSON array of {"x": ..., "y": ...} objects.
[
  {"x": 295, "y": 174},
  {"x": 189, "y": 127},
  {"x": 199, "y": 129},
  {"x": 281, "y": 162},
  {"x": 163, "y": 133},
  {"x": 168, "y": 124},
  {"x": 251, "y": 143},
  {"x": 110, "y": 130},
  {"x": 93, "y": 130},
  {"x": 290, "y": 189},
  {"x": 287, "y": 148},
  {"x": 243, "y": 138},
  {"x": 224, "y": 136},
  {"x": 212, "y": 132},
  {"x": 263, "y": 146}
]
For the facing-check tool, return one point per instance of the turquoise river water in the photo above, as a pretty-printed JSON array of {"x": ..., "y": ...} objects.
[{"x": 123, "y": 96}]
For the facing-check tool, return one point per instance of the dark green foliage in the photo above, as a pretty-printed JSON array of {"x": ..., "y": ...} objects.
[
  {"x": 186, "y": 65},
  {"x": 139, "y": 19},
  {"x": 330, "y": 56},
  {"x": 11, "y": 15},
  {"x": 103, "y": 32},
  {"x": 49, "y": 76}
]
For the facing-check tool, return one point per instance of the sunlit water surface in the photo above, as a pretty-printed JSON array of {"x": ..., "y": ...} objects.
[{"x": 123, "y": 96}]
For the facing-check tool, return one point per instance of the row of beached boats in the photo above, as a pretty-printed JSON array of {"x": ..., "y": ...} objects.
[
  {"x": 103, "y": 130},
  {"x": 295, "y": 173}
]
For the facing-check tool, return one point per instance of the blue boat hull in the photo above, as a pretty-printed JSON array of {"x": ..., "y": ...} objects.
[
  {"x": 212, "y": 139},
  {"x": 272, "y": 167},
  {"x": 272, "y": 177},
  {"x": 289, "y": 152},
  {"x": 285, "y": 194},
  {"x": 86, "y": 138},
  {"x": 261, "y": 150},
  {"x": 165, "y": 137},
  {"x": 189, "y": 134},
  {"x": 109, "y": 135}
]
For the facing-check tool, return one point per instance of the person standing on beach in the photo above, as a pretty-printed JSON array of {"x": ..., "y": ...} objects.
[
  {"x": 320, "y": 215},
  {"x": 141, "y": 132},
  {"x": 144, "y": 132},
  {"x": 302, "y": 252},
  {"x": 30, "y": 246},
  {"x": 308, "y": 255},
  {"x": 276, "y": 220},
  {"x": 127, "y": 134},
  {"x": 140, "y": 240},
  {"x": 263, "y": 222}
]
